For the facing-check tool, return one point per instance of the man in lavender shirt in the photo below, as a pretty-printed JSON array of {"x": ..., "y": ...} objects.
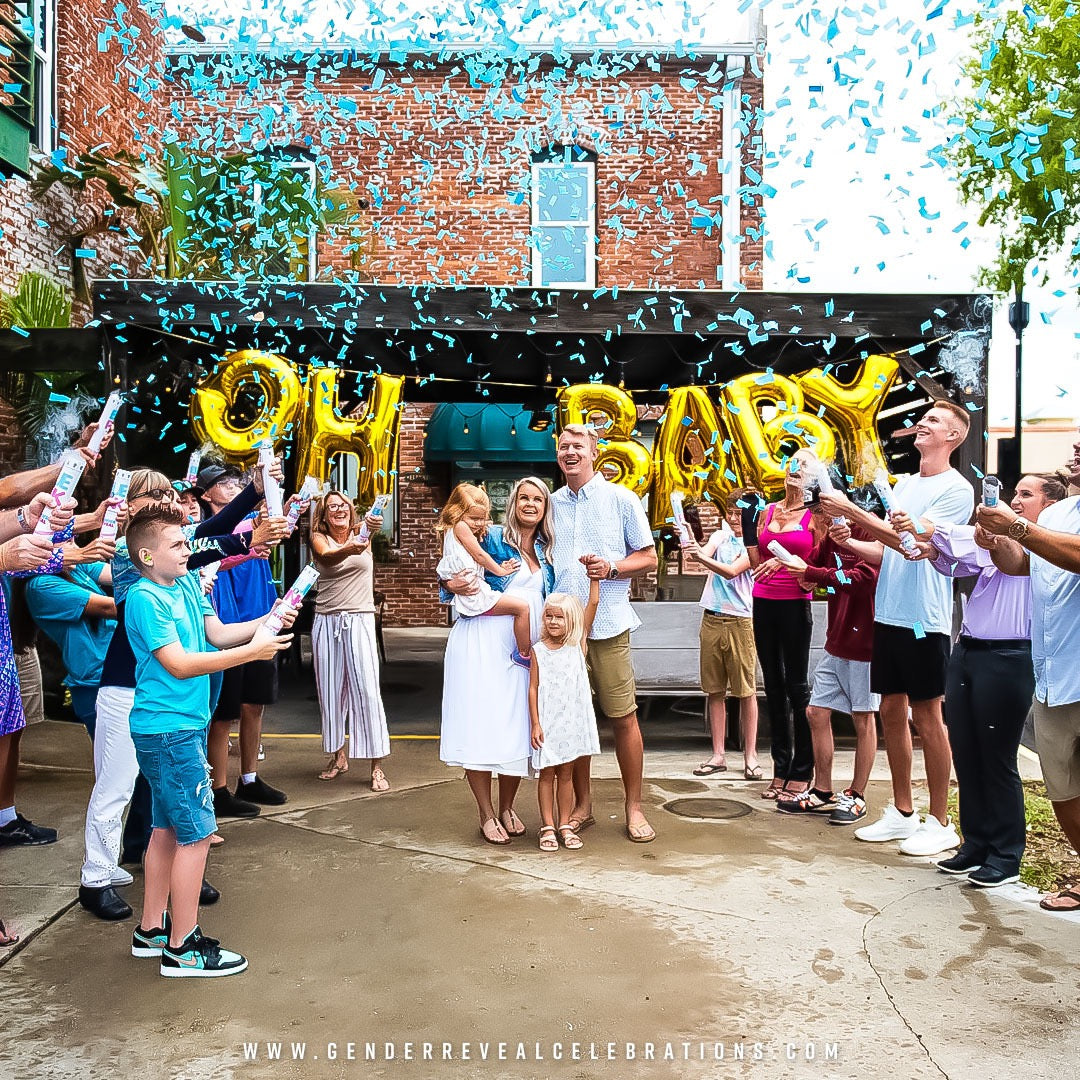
[{"x": 988, "y": 692}]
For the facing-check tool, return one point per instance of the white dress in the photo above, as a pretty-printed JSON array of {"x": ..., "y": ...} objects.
[
  {"x": 564, "y": 704},
  {"x": 456, "y": 560},
  {"x": 485, "y": 706}
]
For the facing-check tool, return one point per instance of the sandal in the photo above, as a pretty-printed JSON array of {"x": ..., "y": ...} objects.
[
  {"x": 773, "y": 790},
  {"x": 487, "y": 839},
  {"x": 752, "y": 772},
  {"x": 640, "y": 833},
  {"x": 570, "y": 839},
  {"x": 379, "y": 781},
  {"x": 1071, "y": 896},
  {"x": 216, "y": 838},
  {"x": 513, "y": 825},
  {"x": 581, "y": 824},
  {"x": 333, "y": 770},
  {"x": 707, "y": 768},
  {"x": 7, "y": 939},
  {"x": 547, "y": 839}
]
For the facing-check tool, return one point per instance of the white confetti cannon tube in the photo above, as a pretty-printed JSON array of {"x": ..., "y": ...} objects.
[
  {"x": 108, "y": 416},
  {"x": 121, "y": 483},
  {"x": 777, "y": 550},
  {"x": 271, "y": 488},
  {"x": 293, "y": 598},
  {"x": 193, "y": 464},
  {"x": 686, "y": 536},
  {"x": 885, "y": 494},
  {"x": 70, "y": 473},
  {"x": 308, "y": 490},
  {"x": 827, "y": 488},
  {"x": 991, "y": 490},
  {"x": 381, "y": 503}
]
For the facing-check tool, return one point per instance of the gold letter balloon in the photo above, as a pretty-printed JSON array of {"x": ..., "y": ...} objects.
[
  {"x": 739, "y": 435},
  {"x": 285, "y": 407}
]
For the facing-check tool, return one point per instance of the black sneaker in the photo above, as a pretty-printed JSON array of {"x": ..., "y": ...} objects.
[
  {"x": 200, "y": 958},
  {"x": 849, "y": 808},
  {"x": 811, "y": 801},
  {"x": 259, "y": 791},
  {"x": 106, "y": 903},
  {"x": 208, "y": 894},
  {"x": 147, "y": 943},
  {"x": 23, "y": 833},
  {"x": 960, "y": 863},
  {"x": 986, "y": 877},
  {"x": 226, "y": 804}
]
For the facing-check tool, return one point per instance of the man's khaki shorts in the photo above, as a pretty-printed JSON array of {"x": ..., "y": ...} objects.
[
  {"x": 612, "y": 675},
  {"x": 727, "y": 656},
  {"x": 1057, "y": 738}
]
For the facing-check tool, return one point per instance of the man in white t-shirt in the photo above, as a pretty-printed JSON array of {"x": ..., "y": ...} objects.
[{"x": 913, "y": 629}]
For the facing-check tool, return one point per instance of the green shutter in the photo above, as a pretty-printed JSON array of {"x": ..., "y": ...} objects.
[{"x": 16, "y": 72}]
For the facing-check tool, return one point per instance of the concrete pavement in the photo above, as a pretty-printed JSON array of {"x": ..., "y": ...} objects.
[{"x": 384, "y": 921}]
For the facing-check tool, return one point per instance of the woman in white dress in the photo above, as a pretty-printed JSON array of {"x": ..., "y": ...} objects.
[
  {"x": 343, "y": 641},
  {"x": 488, "y": 733}
]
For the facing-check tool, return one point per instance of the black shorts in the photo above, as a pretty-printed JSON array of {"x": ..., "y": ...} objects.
[
  {"x": 253, "y": 683},
  {"x": 905, "y": 664}
]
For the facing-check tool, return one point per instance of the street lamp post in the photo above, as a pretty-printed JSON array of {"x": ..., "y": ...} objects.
[{"x": 1019, "y": 315}]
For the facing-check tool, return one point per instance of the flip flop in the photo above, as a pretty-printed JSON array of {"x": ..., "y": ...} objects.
[
  {"x": 216, "y": 839},
  {"x": 7, "y": 939},
  {"x": 1072, "y": 895},
  {"x": 753, "y": 774},
  {"x": 707, "y": 769},
  {"x": 636, "y": 836},
  {"x": 487, "y": 839},
  {"x": 514, "y": 819},
  {"x": 581, "y": 824}
]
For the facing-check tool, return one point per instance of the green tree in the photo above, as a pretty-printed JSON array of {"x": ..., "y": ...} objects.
[{"x": 1017, "y": 154}]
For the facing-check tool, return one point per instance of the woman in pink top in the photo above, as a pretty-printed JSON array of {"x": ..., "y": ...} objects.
[{"x": 783, "y": 626}]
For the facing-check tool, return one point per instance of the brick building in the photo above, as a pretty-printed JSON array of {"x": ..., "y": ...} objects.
[{"x": 598, "y": 167}]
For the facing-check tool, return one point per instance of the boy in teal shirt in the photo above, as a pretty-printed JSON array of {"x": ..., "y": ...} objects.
[{"x": 175, "y": 636}]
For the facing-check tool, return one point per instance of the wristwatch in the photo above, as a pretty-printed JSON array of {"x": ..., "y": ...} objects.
[
  {"x": 613, "y": 572},
  {"x": 20, "y": 516},
  {"x": 1018, "y": 530}
]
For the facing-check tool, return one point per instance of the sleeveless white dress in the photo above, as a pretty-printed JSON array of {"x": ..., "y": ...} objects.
[
  {"x": 564, "y": 703},
  {"x": 485, "y": 706}
]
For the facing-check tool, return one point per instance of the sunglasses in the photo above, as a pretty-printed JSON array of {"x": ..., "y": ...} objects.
[{"x": 153, "y": 494}]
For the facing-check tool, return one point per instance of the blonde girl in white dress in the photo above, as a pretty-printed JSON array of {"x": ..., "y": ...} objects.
[
  {"x": 462, "y": 523},
  {"x": 560, "y": 704}
]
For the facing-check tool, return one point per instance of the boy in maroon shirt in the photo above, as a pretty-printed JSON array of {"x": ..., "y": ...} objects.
[{"x": 842, "y": 678}]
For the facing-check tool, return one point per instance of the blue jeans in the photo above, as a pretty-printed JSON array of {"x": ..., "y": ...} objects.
[
  {"x": 175, "y": 766},
  {"x": 84, "y": 706}
]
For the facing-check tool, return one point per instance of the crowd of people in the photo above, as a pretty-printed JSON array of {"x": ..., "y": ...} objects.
[{"x": 163, "y": 638}]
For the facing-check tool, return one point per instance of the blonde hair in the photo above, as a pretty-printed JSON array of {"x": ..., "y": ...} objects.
[
  {"x": 545, "y": 530},
  {"x": 588, "y": 430},
  {"x": 144, "y": 480},
  {"x": 574, "y": 614},
  {"x": 462, "y": 499}
]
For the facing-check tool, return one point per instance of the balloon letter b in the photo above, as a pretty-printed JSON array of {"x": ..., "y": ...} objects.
[{"x": 612, "y": 412}]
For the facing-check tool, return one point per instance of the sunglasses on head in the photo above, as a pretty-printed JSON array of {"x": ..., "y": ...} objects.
[{"x": 152, "y": 493}]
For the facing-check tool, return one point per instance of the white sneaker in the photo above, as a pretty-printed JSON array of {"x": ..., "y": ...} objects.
[
  {"x": 892, "y": 825},
  {"x": 931, "y": 838},
  {"x": 262, "y": 755},
  {"x": 120, "y": 877}
]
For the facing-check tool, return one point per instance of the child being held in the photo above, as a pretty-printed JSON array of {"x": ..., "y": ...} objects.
[
  {"x": 170, "y": 624},
  {"x": 560, "y": 703},
  {"x": 463, "y": 520}
]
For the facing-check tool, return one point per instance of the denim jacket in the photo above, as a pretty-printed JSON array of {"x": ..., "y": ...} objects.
[{"x": 494, "y": 544}]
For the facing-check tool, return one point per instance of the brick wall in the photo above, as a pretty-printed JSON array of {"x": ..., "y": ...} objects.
[{"x": 445, "y": 158}]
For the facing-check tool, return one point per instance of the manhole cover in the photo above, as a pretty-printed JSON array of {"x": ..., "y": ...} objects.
[{"x": 710, "y": 809}]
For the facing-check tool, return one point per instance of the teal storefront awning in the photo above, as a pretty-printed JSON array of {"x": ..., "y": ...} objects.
[{"x": 487, "y": 433}]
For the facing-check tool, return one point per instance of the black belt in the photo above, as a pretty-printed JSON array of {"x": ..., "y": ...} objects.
[{"x": 998, "y": 643}]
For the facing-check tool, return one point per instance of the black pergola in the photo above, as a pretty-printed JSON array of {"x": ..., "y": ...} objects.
[{"x": 158, "y": 338}]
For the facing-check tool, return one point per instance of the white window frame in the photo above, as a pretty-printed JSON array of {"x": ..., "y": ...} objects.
[
  {"x": 299, "y": 165},
  {"x": 589, "y": 224},
  {"x": 44, "y": 132}
]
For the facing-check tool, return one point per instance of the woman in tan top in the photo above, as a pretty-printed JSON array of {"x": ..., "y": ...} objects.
[{"x": 343, "y": 641}]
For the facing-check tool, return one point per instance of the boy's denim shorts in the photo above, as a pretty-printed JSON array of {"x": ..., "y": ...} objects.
[{"x": 175, "y": 767}]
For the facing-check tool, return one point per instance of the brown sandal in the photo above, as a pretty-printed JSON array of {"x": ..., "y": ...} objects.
[
  {"x": 333, "y": 770},
  {"x": 772, "y": 792},
  {"x": 7, "y": 939},
  {"x": 1071, "y": 895}
]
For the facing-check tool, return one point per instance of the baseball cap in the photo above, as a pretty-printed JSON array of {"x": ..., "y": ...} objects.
[{"x": 214, "y": 474}]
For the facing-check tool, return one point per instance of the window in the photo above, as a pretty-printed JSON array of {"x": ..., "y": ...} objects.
[
  {"x": 292, "y": 202},
  {"x": 17, "y": 85},
  {"x": 564, "y": 219},
  {"x": 44, "y": 135}
]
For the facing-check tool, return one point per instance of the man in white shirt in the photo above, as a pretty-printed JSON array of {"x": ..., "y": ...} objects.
[
  {"x": 601, "y": 531},
  {"x": 1050, "y": 552},
  {"x": 913, "y": 629}
]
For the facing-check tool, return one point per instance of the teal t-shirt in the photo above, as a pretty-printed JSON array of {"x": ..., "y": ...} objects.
[
  {"x": 157, "y": 615},
  {"x": 57, "y": 603}
]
